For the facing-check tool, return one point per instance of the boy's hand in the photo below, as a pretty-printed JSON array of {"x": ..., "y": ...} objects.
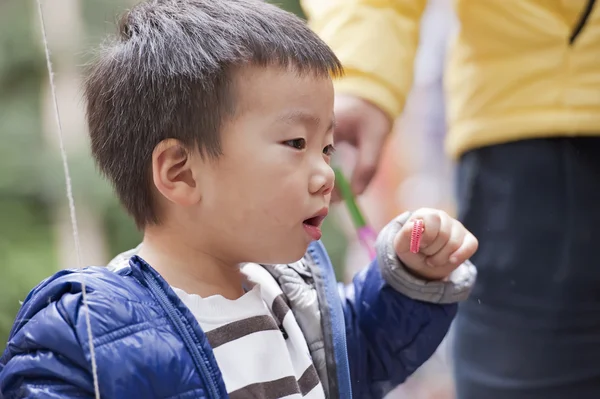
[{"x": 445, "y": 245}]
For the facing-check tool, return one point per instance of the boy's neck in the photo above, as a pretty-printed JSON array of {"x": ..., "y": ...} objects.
[{"x": 191, "y": 269}]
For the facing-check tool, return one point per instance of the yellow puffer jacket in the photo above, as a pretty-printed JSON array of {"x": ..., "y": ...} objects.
[{"x": 514, "y": 72}]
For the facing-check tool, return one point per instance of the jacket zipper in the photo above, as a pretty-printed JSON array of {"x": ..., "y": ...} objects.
[
  {"x": 321, "y": 261},
  {"x": 582, "y": 21},
  {"x": 199, "y": 359}
]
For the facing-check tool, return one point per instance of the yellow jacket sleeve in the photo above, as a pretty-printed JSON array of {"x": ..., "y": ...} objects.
[{"x": 376, "y": 41}]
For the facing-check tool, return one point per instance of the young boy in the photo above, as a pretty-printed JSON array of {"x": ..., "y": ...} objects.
[{"x": 214, "y": 122}]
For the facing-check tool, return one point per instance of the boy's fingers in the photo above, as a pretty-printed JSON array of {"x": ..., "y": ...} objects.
[
  {"x": 453, "y": 244},
  {"x": 465, "y": 251},
  {"x": 432, "y": 223},
  {"x": 435, "y": 238}
]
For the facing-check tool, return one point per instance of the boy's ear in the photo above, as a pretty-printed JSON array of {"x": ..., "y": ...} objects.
[{"x": 175, "y": 173}]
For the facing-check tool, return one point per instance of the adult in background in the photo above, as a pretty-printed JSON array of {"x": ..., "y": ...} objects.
[{"x": 523, "y": 98}]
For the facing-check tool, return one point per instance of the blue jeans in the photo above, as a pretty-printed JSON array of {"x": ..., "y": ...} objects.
[{"x": 531, "y": 328}]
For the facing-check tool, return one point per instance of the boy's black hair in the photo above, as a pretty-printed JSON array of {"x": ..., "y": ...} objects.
[{"x": 168, "y": 75}]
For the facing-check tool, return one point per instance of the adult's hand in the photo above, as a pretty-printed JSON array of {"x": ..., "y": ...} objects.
[{"x": 366, "y": 127}]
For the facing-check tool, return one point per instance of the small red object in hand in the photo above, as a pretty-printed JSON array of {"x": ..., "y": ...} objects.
[{"x": 415, "y": 237}]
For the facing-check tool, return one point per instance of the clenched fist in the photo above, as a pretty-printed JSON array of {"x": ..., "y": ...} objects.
[{"x": 445, "y": 244}]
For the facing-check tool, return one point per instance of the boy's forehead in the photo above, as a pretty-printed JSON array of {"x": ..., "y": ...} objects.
[
  {"x": 307, "y": 118},
  {"x": 279, "y": 86}
]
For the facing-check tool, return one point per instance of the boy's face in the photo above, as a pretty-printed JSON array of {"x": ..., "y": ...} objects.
[{"x": 274, "y": 173}]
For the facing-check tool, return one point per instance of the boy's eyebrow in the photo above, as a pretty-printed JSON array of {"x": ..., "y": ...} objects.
[{"x": 304, "y": 118}]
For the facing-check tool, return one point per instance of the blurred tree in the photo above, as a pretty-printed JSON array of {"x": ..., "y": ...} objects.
[
  {"x": 289, "y": 5},
  {"x": 26, "y": 246}
]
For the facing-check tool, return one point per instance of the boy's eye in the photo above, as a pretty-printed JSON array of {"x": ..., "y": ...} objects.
[
  {"x": 329, "y": 150},
  {"x": 298, "y": 144}
]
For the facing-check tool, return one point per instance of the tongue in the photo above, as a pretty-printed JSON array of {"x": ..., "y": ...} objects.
[{"x": 313, "y": 231}]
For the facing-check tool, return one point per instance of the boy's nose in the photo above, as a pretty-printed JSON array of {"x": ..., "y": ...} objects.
[{"x": 322, "y": 180}]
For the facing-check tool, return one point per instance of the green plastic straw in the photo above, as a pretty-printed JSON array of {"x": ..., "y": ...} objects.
[{"x": 345, "y": 191}]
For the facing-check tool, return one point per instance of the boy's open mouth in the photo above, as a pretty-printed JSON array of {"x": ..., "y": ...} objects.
[
  {"x": 314, "y": 221},
  {"x": 312, "y": 225}
]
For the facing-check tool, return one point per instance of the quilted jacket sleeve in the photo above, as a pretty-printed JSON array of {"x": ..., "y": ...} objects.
[
  {"x": 395, "y": 322},
  {"x": 44, "y": 357}
]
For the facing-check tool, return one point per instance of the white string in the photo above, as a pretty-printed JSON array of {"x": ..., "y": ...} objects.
[{"x": 71, "y": 200}]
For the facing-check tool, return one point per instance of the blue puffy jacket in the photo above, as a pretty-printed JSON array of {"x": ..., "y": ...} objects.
[{"x": 147, "y": 344}]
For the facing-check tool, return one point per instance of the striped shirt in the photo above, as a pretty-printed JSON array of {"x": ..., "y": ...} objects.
[{"x": 257, "y": 342}]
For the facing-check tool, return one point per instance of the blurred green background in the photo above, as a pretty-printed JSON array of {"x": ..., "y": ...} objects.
[{"x": 32, "y": 186}]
